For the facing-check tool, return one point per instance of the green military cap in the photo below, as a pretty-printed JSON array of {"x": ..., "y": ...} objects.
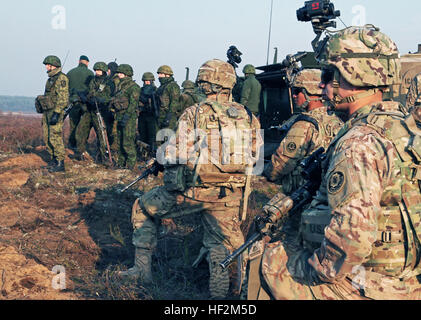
[
  {"x": 148, "y": 76},
  {"x": 165, "y": 70},
  {"x": 101, "y": 66},
  {"x": 188, "y": 84},
  {"x": 84, "y": 58},
  {"x": 249, "y": 69},
  {"x": 52, "y": 60},
  {"x": 125, "y": 69}
]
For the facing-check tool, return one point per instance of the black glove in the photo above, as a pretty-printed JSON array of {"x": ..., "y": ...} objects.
[
  {"x": 54, "y": 118},
  {"x": 157, "y": 168},
  {"x": 83, "y": 97},
  {"x": 122, "y": 124}
]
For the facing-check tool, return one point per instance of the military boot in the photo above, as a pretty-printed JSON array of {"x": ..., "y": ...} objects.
[
  {"x": 141, "y": 268},
  {"x": 50, "y": 164},
  {"x": 219, "y": 280},
  {"x": 58, "y": 168}
]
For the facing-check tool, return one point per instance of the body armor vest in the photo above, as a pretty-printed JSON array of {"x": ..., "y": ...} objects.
[{"x": 397, "y": 250}]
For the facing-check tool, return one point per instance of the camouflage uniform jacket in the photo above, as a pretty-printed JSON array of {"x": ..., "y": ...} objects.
[
  {"x": 169, "y": 98},
  {"x": 126, "y": 97},
  {"x": 57, "y": 88},
  {"x": 302, "y": 139},
  {"x": 188, "y": 98},
  {"x": 79, "y": 79},
  {"x": 413, "y": 98},
  {"x": 250, "y": 93},
  {"x": 360, "y": 212},
  {"x": 101, "y": 88},
  {"x": 211, "y": 118},
  {"x": 147, "y": 97}
]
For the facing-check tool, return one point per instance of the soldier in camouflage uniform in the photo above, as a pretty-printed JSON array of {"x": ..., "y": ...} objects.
[
  {"x": 194, "y": 185},
  {"x": 250, "y": 92},
  {"x": 169, "y": 98},
  {"x": 148, "y": 112},
  {"x": 52, "y": 105},
  {"x": 98, "y": 97},
  {"x": 79, "y": 79},
  {"x": 190, "y": 95},
  {"x": 110, "y": 121},
  {"x": 306, "y": 132},
  {"x": 360, "y": 238},
  {"x": 125, "y": 103},
  {"x": 413, "y": 98}
]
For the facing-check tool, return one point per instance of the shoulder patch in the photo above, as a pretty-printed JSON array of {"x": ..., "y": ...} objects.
[{"x": 336, "y": 182}]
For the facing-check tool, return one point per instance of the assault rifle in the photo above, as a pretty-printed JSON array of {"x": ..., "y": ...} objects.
[
  {"x": 67, "y": 110},
  {"x": 104, "y": 135},
  {"x": 267, "y": 224},
  {"x": 152, "y": 167}
]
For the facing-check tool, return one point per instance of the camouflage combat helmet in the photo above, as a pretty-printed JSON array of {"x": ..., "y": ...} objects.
[
  {"x": 364, "y": 56},
  {"x": 101, "y": 66},
  {"x": 148, "y": 76},
  {"x": 125, "y": 69},
  {"x": 165, "y": 70},
  {"x": 188, "y": 84},
  {"x": 249, "y": 69},
  {"x": 309, "y": 79},
  {"x": 52, "y": 60},
  {"x": 217, "y": 72}
]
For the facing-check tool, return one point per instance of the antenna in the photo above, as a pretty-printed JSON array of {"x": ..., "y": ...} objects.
[
  {"x": 187, "y": 73},
  {"x": 270, "y": 31},
  {"x": 275, "y": 58},
  {"x": 65, "y": 59}
]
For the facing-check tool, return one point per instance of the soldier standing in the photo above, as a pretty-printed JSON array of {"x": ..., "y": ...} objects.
[
  {"x": 110, "y": 120},
  {"x": 98, "y": 99},
  {"x": 213, "y": 188},
  {"x": 79, "y": 79},
  {"x": 305, "y": 132},
  {"x": 148, "y": 112},
  {"x": 190, "y": 95},
  {"x": 250, "y": 92},
  {"x": 124, "y": 105},
  {"x": 360, "y": 238},
  {"x": 169, "y": 98},
  {"x": 52, "y": 105}
]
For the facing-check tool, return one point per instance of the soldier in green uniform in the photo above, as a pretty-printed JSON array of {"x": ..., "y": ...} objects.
[
  {"x": 52, "y": 105},
  {"x": 218, "y": 189},
  {"x": 97, "y": 99},
  {"x": 360, "y": 237},
  {"x": 190, "y": 95},
  {"x": 125, "y": 103},
  {"x": 79, "y": 79},
  {"x": 169, "y": 98},
  {"x": 250, "y": 92},
  {"x": 110, "y": 120},
  {"x": 306, "y": 132},
  {"x": 148, "y": 112}
]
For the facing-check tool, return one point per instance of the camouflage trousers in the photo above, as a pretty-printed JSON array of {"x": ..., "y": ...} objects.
[
  {"x": 148, "y": 127},
  {"x": 88, "y": 121},
  {"x": 277, "y": 280},
  {"x": 126, "y": 141},
  {"x": 220, "y": 219},
  {"x": 53, "y": 136}
]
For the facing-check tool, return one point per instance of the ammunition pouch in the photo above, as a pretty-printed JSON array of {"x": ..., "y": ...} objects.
[
  {"x": 120, "y": 103},
  {"x": 175, "y": 178},
  {"x": 43, "y": 104}
]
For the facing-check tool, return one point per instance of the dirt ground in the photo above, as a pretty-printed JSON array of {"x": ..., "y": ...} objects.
[{"x": 64, "y": 236}]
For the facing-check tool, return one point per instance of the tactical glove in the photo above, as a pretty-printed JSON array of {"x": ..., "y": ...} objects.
[
  {"x": 54, "y": 118},
  {"x": 123, "y": 122}
]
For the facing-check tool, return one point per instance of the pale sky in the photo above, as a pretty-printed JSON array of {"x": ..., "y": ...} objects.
[{"x": 180, "y": 33}]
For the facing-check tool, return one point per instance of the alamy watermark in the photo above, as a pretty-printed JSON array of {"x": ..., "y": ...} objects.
[
  {"x": 359, "y": 15},
  {"x": 58, "y": 21},
  {"x": 59, "y": 280}
]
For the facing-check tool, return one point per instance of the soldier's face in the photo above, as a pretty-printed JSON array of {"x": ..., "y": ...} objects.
[
  {"x": 98, "y": 73},
  {"x": 49, "y": 67},
  {"x": 299, "y": 97},
  {"x": 121, "y": 75}
]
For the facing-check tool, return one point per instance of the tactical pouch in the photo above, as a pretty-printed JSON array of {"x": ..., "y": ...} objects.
[
  {"x": 175, "y": 179},
  {"x": 121, "y": 103},
  {"x": 45, "y": 103},
  {"x": 38, "y": 106}
]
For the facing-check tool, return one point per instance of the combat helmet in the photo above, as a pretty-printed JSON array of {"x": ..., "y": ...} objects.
[
  {"x": 148, "y": 76},
  {"x": 101, "y": 66},
  {"x": 308, "y": 79},
  {"x": 188, "y": 84},
  {"x": 165, "y": 70},
  {"x": 363, "y": 56},
  {"x": 249, "y": 69},
  {"x": 217, "y": 72},
  {"x": 125, "y": 69},
  {"x": 52, "y": 60}
]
